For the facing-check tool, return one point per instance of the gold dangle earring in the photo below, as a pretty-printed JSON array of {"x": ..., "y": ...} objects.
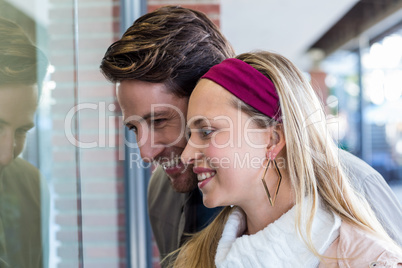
[{"x": 272, "y": 200}]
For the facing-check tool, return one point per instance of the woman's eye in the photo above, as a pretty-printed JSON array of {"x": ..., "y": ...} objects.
[{"x": 206, "y": 132}]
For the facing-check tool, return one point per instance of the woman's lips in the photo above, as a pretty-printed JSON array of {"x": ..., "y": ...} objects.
[
  {"x": 204, "y": 175},
  {"x": 204, "y": 182}
]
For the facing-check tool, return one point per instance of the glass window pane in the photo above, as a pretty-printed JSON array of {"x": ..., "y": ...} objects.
[{"x": 67, "y": 205}]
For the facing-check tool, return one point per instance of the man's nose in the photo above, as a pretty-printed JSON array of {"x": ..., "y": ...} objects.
[
  {"x": 7, "y": 147},
  {"x": 149, "y": 149}
]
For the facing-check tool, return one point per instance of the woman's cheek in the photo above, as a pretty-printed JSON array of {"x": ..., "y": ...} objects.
[
  {"x": 213, "y": 156},
  {"x": 223, "y": 140}
]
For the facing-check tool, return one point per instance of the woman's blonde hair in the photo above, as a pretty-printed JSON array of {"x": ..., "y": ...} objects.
[{"x": 312, "y": 163}]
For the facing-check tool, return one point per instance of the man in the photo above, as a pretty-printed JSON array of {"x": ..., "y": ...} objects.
[
  {"x": 21, "y": 66},
  {"x": 156, "y": 64},
  {"x": 167, "y": 73}
]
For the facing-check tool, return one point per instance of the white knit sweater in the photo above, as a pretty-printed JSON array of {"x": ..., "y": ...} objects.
[{"x": 277, "y": 245}]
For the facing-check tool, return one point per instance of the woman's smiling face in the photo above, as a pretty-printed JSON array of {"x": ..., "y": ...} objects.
[{"x": 227, "y": 148}]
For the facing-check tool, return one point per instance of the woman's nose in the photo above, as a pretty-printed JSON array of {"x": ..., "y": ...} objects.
[{"x": 190, "y": 154}]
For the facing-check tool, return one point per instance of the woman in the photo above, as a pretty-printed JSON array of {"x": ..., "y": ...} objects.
[{"x": 260, "y": 147}]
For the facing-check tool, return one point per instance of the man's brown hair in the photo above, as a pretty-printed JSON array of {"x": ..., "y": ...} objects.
[
  {"x": 20, "y": 61},
  {"x": 172, "y": 45}
]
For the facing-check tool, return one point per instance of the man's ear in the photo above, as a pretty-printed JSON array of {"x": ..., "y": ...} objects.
[{"x": 276, "y": 142}]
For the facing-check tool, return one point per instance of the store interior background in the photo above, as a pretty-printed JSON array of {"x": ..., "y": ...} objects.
[{"x": 351, "y": 50}]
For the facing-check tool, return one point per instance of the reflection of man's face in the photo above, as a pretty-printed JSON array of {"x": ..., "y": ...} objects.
[
  {"x": 158, "y": 119},
  {"x": 17, "y": 108}
]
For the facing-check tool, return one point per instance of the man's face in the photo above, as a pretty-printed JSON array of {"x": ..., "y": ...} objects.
[
  {"x": 17, "y": 108},
  {"x": 158, "y": 119}
]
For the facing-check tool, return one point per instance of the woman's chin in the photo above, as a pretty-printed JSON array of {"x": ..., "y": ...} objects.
[{"x": 210, "y": 203}]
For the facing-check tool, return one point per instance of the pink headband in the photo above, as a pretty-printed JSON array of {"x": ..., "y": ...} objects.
[{"x": 247, "y": 84}]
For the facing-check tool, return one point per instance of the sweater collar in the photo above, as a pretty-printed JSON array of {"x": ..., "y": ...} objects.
[{"x": 278, "y": 244}]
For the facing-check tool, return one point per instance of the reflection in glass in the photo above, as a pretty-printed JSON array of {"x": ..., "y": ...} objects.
[{"x": 22, "y": 68}]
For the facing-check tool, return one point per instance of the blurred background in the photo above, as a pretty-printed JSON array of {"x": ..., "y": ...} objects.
[{"x": 350, "y": 50}]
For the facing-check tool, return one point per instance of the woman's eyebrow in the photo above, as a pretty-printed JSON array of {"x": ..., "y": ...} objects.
[{"x": 199, "y": 121}]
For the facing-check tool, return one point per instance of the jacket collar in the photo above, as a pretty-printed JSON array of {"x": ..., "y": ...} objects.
[{"x": 278, "y": 244}]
